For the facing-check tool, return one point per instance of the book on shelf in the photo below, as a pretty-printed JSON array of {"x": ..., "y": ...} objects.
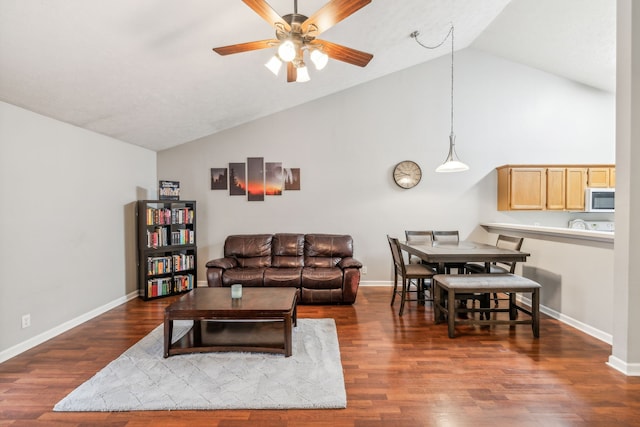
[
  {"x": 159, "y": 287},
  {"x": 182, "y": 262},
  {"x": 183, "y": 236},
  {"x": 184, "y": 282},
  {"x": 182, "y": 215},
  {"x": 159, "y": 265},
  {"x": 157, "y": 238}
]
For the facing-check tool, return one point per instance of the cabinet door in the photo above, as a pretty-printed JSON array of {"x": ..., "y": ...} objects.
[
  {"x": 556, "y": 188},
  {"x": 612, "y": 177},
  {"x": 576, "y": 183},
  {"x": 598, "y": 177},
  {"x": 527, "y": 188}
]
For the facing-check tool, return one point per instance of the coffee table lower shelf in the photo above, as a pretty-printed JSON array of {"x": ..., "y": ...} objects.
[{"x": 221, "y": 336}]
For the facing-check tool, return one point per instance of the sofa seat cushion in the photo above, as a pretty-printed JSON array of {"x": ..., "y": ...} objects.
[
  {"x": 283, "y": 276},
  {"x": 244, "y": 276},
  {"x": 322, "y": 278}
]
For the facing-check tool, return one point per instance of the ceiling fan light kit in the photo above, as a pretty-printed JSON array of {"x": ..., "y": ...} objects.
[
  {"x": 287, "y": 51},
  {"x": 296, "y": 33},
  {"x": 302, "y": 74},
  {"x": 274, "y": 64},
  {"x": 319, "y": 59}
]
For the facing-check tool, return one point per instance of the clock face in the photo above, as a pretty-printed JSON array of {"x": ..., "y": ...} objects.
[{"x": 407, "y": 174}]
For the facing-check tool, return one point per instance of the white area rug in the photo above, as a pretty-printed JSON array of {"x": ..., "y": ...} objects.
[{"x": 142, "y": 379}]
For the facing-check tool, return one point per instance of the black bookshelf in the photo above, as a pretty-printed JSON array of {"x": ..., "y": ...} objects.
[{"x": 167, "y": 251}]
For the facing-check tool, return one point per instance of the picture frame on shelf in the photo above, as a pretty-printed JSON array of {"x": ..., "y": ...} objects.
[{"x": 169, "y": 190}]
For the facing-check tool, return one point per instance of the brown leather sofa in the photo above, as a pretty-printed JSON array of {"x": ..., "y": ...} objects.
[{"x": 321, "y": 266}]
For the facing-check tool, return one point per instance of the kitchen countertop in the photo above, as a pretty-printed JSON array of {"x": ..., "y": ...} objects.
[{"x": 563, "y": 234}]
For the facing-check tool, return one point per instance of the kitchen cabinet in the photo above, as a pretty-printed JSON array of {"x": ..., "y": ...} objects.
[
  {"x": 521, "y": 188},
  {"x": 576, "y": 182},
  {"x": 598, "y": 177},
  {"x": 556, "y": 188},
  {"x": 549, "y": 187},
  {"x": 612, "y": 177}
]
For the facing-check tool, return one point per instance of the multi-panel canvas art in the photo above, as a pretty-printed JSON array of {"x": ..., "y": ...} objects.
[{"x": 255, "y": 179}]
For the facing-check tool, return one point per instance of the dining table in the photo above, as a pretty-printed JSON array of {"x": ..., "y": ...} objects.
[{"x": 463, "y": 251}]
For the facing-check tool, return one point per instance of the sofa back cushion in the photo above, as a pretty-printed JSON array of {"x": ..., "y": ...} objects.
[
  {"x": 326, "y": 250},
  {"x": 251, "y": 250},
  {"x": 287, "y": 250}
]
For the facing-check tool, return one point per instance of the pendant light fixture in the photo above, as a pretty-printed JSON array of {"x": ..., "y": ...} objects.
[{"x": 452, "y": 163}]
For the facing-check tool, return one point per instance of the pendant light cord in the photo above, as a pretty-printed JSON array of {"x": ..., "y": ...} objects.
[{"x": 415, "y": 35}]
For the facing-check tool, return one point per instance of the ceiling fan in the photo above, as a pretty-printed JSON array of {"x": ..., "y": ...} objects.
[{"x": 296, "y": 33}]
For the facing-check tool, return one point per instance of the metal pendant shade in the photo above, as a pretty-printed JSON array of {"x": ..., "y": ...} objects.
[{"x": 452, "y": 163}]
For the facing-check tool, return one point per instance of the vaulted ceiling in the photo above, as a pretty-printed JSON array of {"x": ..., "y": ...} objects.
[{"x": 143, "y": 71}]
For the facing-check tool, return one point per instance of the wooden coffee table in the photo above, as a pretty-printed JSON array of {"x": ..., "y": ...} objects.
[{"x": 260, "y": 321}]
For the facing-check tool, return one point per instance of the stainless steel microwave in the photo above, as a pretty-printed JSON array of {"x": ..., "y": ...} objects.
[{"x": 600, "y": 200}]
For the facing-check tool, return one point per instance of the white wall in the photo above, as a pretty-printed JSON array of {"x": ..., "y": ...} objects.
[
  {"x": 68, "y": 240},
  {"x": 346, "y": 145}
]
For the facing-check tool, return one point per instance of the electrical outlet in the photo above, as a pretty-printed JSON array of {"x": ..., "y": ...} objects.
[
  {"x": 26, "y": 321},
  {"x": 364, "y": 269}
]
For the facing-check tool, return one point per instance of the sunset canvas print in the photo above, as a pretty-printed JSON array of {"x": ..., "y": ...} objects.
[
  {"x": 274, "y": 180},
  {"x": 255, "y": 179},
  {"x": 218, "y": 178},
  {"x": 237, "y": 179}
]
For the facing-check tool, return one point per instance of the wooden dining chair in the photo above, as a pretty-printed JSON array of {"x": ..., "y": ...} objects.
[
  {"x": 421, "y": 236},
  {"x": 452, "y": 236},
  {"x": 410, "y": 274},
  {"x": 415, "y": 236},
  {"x": 499, "y": 267}
]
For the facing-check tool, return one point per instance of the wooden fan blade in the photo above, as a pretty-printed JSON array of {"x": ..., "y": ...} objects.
[
  {"x": 262, "y": 8},
  {"x": 332, "y": 13},
  {"x": 245, "y": 47},
  {"x": 292, "y": 72},
  {"x": 343, "y": 53}
]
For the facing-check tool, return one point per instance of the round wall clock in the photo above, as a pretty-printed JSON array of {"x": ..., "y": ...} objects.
[{"x": 407, "y": 174}]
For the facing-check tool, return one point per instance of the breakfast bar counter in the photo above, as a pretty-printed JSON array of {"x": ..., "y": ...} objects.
[{"x": 559, "y": 234}]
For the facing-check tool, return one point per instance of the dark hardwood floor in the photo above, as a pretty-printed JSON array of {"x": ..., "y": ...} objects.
[{"x": 399, "y": 371}]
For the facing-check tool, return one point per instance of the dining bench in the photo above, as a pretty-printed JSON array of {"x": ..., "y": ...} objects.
[{"x": 448, "y": 289}]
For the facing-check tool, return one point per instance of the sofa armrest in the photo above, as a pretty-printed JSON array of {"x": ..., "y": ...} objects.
[
  {"x": 216, "y": 267},
  {"x": 349, "y": 262},
  {"x": 223, "y": 263}
]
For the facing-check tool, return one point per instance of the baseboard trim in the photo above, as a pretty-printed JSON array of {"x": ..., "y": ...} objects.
[
  {"x": 583, "y": 327},
  {"x": 629, "y": 369},
  {"x": 376, "y": 283},
  {"x": 51, "y": 333}
]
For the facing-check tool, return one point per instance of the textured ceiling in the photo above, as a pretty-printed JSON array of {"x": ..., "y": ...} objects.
[{"x": 143, "y": 71}]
